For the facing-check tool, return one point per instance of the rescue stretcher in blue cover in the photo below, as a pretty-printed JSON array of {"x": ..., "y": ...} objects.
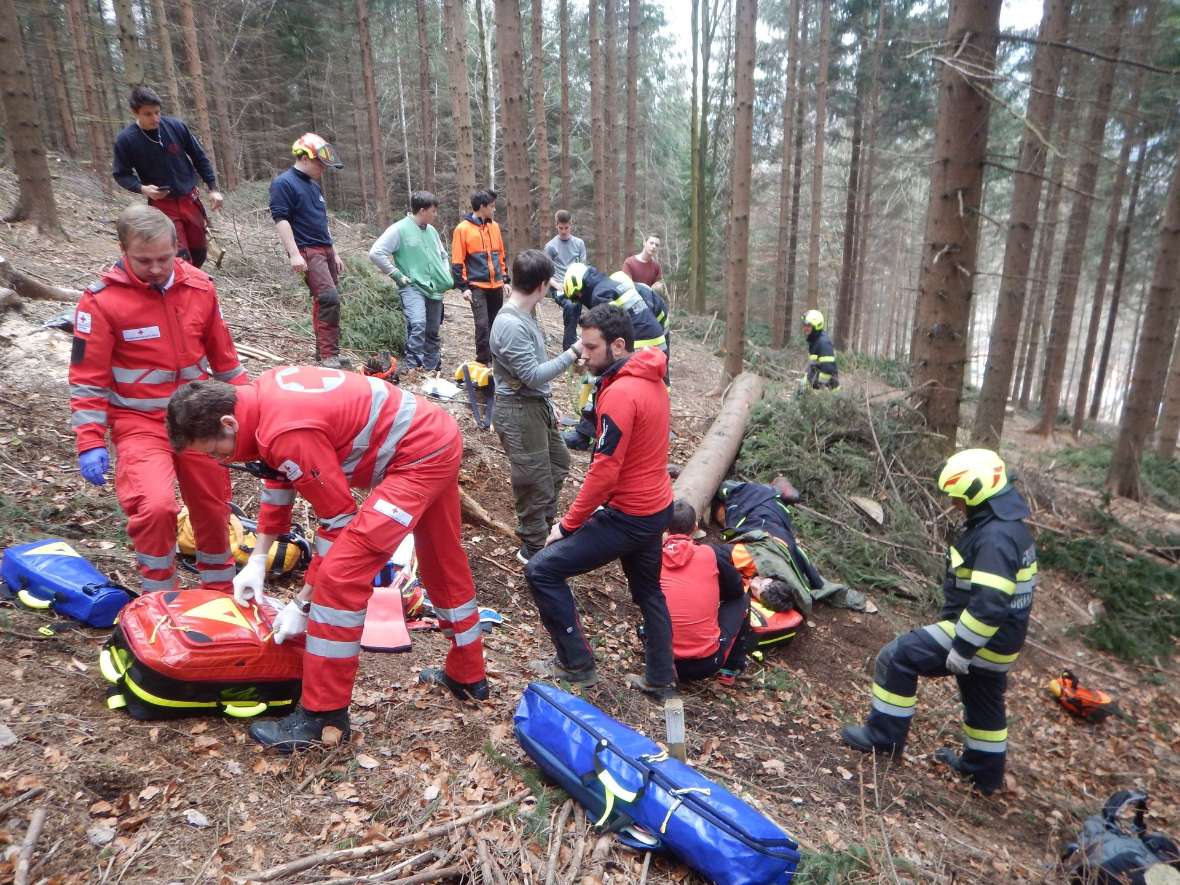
[
  {"x": 625, "y": 779},
  {"x": 50, "y": 574}
]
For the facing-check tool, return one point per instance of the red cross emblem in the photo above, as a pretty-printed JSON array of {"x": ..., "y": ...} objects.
[{"x": 309, "y": 379}]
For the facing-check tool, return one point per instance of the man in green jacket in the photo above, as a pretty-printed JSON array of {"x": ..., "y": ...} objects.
[{"x": 411, "y": 253}]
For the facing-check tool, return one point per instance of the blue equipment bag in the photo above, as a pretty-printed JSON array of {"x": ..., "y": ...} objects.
[
  {"x": 625, "y": 779},
  {"x": 50, "y": 574}
]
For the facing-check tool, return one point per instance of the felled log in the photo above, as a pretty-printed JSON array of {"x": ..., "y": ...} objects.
[
  {"x": 27, "y": 287},
  {"x": 475, "y": 514},
  {"x": 701, "y": 476}
]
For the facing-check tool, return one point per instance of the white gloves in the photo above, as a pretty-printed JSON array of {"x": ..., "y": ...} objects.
[
  {"x": 290, "y": 622},
  {"x": 250, "y": 581},
  {"x": 958, "y": 664}
]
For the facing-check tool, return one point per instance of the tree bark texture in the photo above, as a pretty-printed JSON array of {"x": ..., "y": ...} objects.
[
  {"x": 516, "y": 155},
  {"x": 865, "y": 211},
  {"x": 129, "y": 43},
  {"x": 610, "y": 97},
  {"x": 947, "y": 275},
  {"x": 86, "y": 63},
  {"x": 694, "y": 151},
  {"x": 566, "y": 188},
  {"x": 1159, "y": 332},
  {"x": 163, "y": 44},
  {"x": 456, "y": 27},
  {"x": 843, "y": 325},
  {"x": 196, "y": 75},
  {"x": 630, "y": 192},
  {"x": 34, "y": 201},
  {"x": 1169, "y": 421},
  {"x": 376, "y": 142},
  {"x": 426, "y": 103},
  {"x": 540, "y": 126},
  {"x": 791, "y": 283},
  {"x": 1068, "y": 275},
  {"x": 1022, "y": 220},
  {"x": 738, "y": 252},
  {"x": 485, "y": 87},
  {"x": 49, "y": 27},
  {"x": 780, "y": 314},
  {"x": 597, "y": 135},
  {"x": 227, "y": 142},
  {"x": 700, "y": 247},
  {"x": 817, "y": 168}
]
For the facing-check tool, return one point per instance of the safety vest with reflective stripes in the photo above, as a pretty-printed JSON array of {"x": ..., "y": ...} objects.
[
  {"x": 822, "y": 370},
  {"x": 135, "y": 345},
  {"x": 598, "y": 288}
]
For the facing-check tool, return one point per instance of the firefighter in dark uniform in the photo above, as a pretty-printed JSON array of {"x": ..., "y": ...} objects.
[
  {"x": 990, "y": 578},
  {"x": 822, "y": 372}
]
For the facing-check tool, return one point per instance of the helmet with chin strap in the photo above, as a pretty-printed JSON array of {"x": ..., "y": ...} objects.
[{"x": 973, "y": 476}]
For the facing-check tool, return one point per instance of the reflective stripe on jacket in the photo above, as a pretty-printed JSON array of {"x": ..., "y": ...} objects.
[{"x": 478, "y": 258}]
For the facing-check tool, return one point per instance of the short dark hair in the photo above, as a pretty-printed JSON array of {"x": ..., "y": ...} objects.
[
  {"x": 143, "y": 95},
  {"x": 684, "y": 518},
  {"x": 420, "y": 200},
  {"x": 777, "y": 596},
  {"x": 481, "y": 198},
  {"x": 530, "y": 270},
  {"x": 194, "y": 412},
  {"x": 613, "y": 322},
  {"x": 563, "y": 216}
]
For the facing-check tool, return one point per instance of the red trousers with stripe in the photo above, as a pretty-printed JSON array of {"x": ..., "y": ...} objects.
[
  {"x": 188, "y": 214},
  {"x": 422, "y": 499},
  {"x": 146, "y": 469}
]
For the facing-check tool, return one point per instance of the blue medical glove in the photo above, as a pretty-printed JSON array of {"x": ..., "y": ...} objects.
[{"x": 93, "y": 465}]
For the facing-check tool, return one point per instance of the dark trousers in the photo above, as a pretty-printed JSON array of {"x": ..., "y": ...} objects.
[
  {"x": 923, "y": 652},
  {"x": 606, "y": 536},
  {"x": 485, "y": 304},
  {"x": 539, "y": 462},
  {"x": 571, "y": 312},
  {"x": 733, "y": 617},
  {"x": 322, "y": 281}
]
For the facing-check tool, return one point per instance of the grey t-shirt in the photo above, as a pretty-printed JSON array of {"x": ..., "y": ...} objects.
[
  {"x": 518, "y": 355},
  {"x": 563, "y": 253}
]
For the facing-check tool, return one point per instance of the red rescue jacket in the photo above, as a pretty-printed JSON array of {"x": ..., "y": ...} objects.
[
  {"x": 134, "y": 346},
  {"x": 330, "y": 431},
  {"x": 689, "y": 581},
  {"x": 629, "y": 466}
]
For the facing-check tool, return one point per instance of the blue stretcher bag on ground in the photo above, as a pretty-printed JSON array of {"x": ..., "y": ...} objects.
[
  {"x": 624, "y": 779},
  {"x": 50, "y": 574}
]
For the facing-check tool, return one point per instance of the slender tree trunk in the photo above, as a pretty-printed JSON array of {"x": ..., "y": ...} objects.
[
  {"x": 376, "y": 143},
  {"x": 1026, "y": 197},
  {"x": 227, "y": 143},
  {"x": 597, "y": 135},
  {"x": 1079, "y": 223},
  {"x": 163, "y": 35},
  {"x": 566, "y": 188},
  {"x": 359, "y": 129},
  {"x": 48, "y": 26},
  {"x": 1159, "y": 332},
  {"x": 196, "y": 74},
  {"x": 817, "y": 170},
  {"x": 865, "y": 213},
  {"x": 516, "y": 156},
  {"x": 946, "y": 281},
  {"x": 485, "y": 80},
  {"x": 426, "y": 103},
  {"x": 86, "y": 64},
  {"x": 1169, "y": 421},
  {"x": 630, "y": 193},
  {"x": 34, "y": 201},
  {"x": 540, "y": 126},
  {"x": 129, "y": 43},
  {"x": 456, "y": 26},
  {"x": 1124, "y": 238},
  {"x": 843, "y": 325},
  {"x": 694, "y": 152},
  {"x": 610, "y": 97},
  {"x": 701, "y": 245},
  {"x": 779, "y": 315},
  {"x": 792, "y": 254},
  {"x": 401, "y": 110},
  {"x": 738, "y": 253},
  {"x": 114, "y": 105}
]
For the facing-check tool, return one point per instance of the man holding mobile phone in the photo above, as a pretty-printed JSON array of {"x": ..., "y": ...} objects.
[{"x": 160, "y": 157}]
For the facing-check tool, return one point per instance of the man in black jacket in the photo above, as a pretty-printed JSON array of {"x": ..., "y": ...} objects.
[{"x": 822, "y": 372}]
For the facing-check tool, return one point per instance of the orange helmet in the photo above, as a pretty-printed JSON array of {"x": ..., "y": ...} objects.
[{"x": 313, "y": 147}]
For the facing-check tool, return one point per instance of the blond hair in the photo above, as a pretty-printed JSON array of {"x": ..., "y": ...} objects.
[{"x": 140, "y": 222}]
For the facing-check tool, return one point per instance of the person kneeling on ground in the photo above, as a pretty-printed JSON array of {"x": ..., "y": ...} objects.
[
  {"x": 706, "y": 600},
  {"x": 365, "y": 434}
]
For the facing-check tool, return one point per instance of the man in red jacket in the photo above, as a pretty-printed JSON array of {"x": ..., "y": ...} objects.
[
  {"x": 323, "y": 432},
  {"x": 149, "y": 326},
  {"x": 620, "y": 511}
]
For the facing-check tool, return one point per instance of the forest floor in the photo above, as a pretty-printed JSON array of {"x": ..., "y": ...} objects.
[{"x": 195, "y": 800}]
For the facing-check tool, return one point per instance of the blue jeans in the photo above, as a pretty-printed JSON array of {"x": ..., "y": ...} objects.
[{"x": 423, "y": 319}]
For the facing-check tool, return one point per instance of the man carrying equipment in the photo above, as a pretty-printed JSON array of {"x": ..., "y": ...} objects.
[
  {"x": 149, "y": 326},
  {"x": 621, "y": 509},
  {"x": 479, "y": 267},
  {"x": 301, "y": 221},
  {"x": 323, "y": 432},
  {"x": 822, "y": 372},
  {"x": 991, "y": 576},
  {"x": 159, "y": 157}
]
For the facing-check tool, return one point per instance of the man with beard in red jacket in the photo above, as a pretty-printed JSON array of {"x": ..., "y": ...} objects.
[{"x": 621, "y": 510}]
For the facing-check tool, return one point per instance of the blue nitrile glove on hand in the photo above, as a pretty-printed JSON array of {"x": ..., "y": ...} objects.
[{"x": 93, "y": 465}]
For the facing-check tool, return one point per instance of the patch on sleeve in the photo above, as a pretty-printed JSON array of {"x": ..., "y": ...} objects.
[
  {"x": 608, "y": 439},
  {"x": 291, "y": 470},
  {"x": 82, "y": 322},
  {"x": 78, "y": 352},
  {"x": 394, "y": 512}
]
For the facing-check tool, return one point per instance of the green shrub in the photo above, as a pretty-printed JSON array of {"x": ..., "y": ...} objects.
[
  {"x": 895, "y": 373},
  {"x": 371, "y": 319},
  {"x": 1160, "y": 477},
  {"x": 835, "y": 867}
]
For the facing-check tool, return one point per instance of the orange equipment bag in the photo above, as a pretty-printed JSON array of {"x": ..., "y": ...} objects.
[{"x": 1085, "y": 703}]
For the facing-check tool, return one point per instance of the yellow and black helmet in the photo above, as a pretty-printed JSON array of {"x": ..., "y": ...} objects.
[
  {"x": 574, "y": 275},
  {"x": 312, "y": 147},
  {"x": 974, "y": 475},
  {"x": 815, "y": 319}
]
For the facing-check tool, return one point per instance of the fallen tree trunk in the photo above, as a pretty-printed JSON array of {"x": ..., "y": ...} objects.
[
  {"x": 27, "y": 287},
  {"x": 475, "y": 514},
  {"x": 701, "y": 476}
]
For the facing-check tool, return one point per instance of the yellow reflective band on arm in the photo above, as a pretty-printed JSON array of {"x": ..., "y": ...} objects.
[
  {"x": 995, "y": 657},
  {"x": 812, "y": 357},
  {"x": 975, "y": 625},
  {"x": 611, "y": 789},
  {"x": 996, "y": 582},
  {"x": 898, "y": 700},
  {"x": 827, "y": 359},
  {"x": 962, "y": 572},
  {"x": 1027, "y": 574},
  {"x": 651, "y": 342},
  {"x": 956, "y": 560},
  {"x": 948, "y": 627},
  {"x": 824, "y": 376},
  {"x": 981, "y": 734}
]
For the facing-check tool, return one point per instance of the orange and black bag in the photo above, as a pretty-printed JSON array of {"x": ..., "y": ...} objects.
[{"x": 1084, "y": 703}]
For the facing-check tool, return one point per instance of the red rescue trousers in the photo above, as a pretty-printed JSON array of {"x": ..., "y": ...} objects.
[
  {"x": 188, "y": 214},
  {"x": 322, "y": 281},
  {"x": 146, "y": 468},
  {"x": 422, "y": 499}
]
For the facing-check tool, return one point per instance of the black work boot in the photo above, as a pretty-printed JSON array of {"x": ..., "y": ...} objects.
[
  {"x": 653, "y": 691},
  {"x": 954, "y": 761},
  {"x": 476, "y": 691},
  {"x": 301, "y": 730},
  {"x": 552, "y": 668},
  {"x": 857, "y": 737}
]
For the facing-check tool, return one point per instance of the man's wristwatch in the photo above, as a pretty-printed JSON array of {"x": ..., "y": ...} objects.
[{"x": 304, "y": 605}]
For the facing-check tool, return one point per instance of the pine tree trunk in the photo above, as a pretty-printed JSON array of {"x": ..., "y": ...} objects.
[
  {"x": 1124, "y": 237},
  {"x": 485, "y": 83},
  {"x": 516, "y": 155},
  {"x": 792, "y": 255},
  {"x": 817, "y": 169},
  {"x": 694, "y": 151},
  {"x": 376, "y": 142},
  {"x": 738, "y": 251},
  {"x": 129, "y": 43},
  {"x": 360, "y": 132},
  {"x": 779, "y": 315},
  {"x": 401, "y": 110},
  {"x": 196, "y": 74},
  {"x": 700, "y": 246},
  {"x": 630, "y": 192},
  {"x": 1158, "y": 335},
  {"x": 1026, "y": 197},
  {"x": 610, "y": 98},
  {"x": 540, "y": 126},
  {"x": 1079, "y": 224},
  {"x": 566, "y": 187},
  {"x": 843, "y": 325},
  {"x": 865, "y": 212},
  {"x": 1169, "y": 421},
  {"x": 34, "y": 201},
  {"x": 163, "y": 45},
  {"x": 227, "y": 143},
  {"x": 946, "y": 280},
  {"x": 86, "y": 64},
  {"x": 597, "y": 136},
  {"x": 425, "y": 135},
  {"x": 49, "y": 27},
  {"x": 456, "y": 28}
]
